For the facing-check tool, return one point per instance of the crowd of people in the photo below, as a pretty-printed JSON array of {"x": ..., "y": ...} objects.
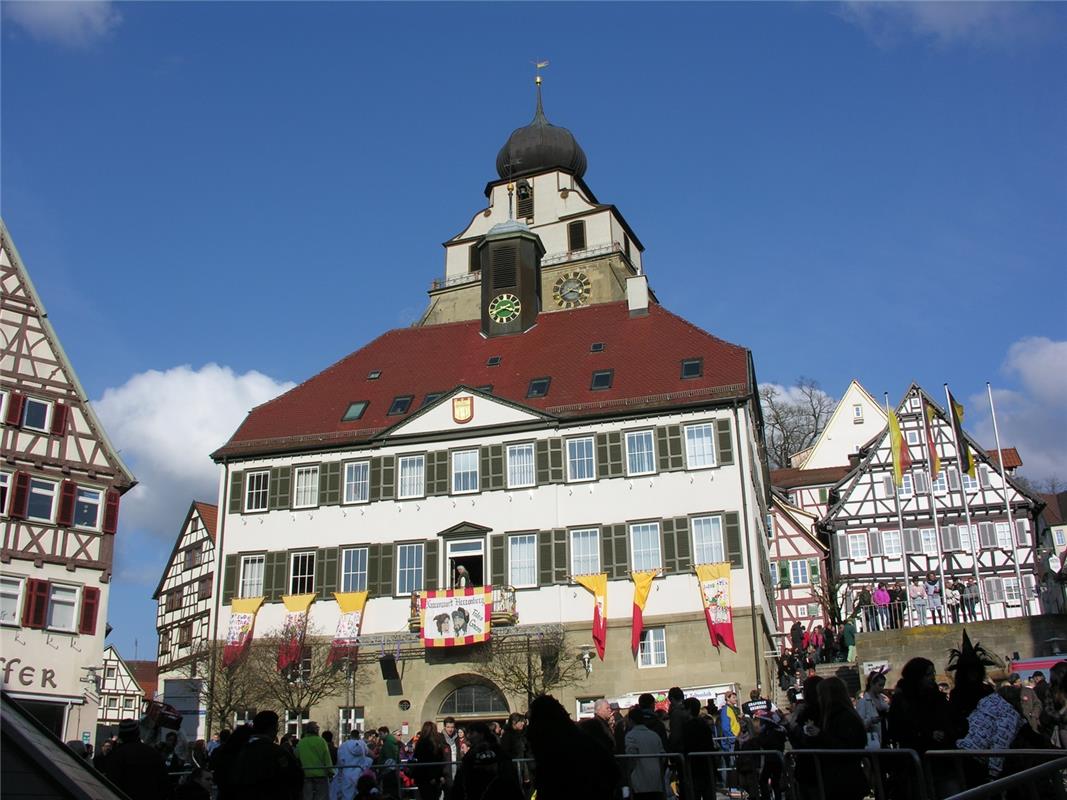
[
  {"x": 823, "y": 644},
  {"x": 887, "y": 606},
  {"x": 648, "y": 752}
]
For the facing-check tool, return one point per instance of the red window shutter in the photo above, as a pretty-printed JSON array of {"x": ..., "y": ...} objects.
[
  {"x": 60, "y": 415},
  {"x": 90, "y": 605},
  {"x": 111, "y": 512},
  {"x": 20, "y": 500},
  {"x": 14, "y": 408},
  {"x": 35, "y": 610},
  {"x": 67, "y": 491}
]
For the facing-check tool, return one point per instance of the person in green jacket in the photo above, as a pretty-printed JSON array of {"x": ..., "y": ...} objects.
[
  {"x": 314, "y": 755},
  {"x": 388, "y": 758},
  {"x": 848, "y": 639}
]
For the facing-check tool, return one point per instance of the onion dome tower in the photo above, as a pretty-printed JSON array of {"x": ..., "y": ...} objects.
[{"x": 539, "y": 147}]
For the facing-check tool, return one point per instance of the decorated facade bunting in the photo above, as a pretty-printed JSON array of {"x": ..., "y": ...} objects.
[
  {"x": 598, "y": 585},
  {"x": 714, "y": 582},
  {"x": 452, "y": 617},
  {"x": 345, "y": 642},
  {"x": 899, "y": 447},
  {"x": 642, "y": 586},
  {"x": 242, "y": 623},
  {"x": 294, "y": 628}
]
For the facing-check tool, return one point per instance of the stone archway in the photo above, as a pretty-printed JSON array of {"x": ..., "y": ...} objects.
[{"x": 465, "y": 696}]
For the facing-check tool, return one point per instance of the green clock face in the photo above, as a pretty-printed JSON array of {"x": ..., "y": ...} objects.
[{"x": 504, "y": 308}]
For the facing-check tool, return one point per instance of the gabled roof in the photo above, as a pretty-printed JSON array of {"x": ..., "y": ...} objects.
[
  {"x": 645, "y": 353},
  {"x": 146, "y": 673},
  {"x": 830, "y": 423},
  {"x": 803, "y": 520},
  {"x": 1012, "y": 459},
  {"x": 791, "y": 478},
  {"x": 208, "y": 514},
  {"x": 1055, "y": 504}
]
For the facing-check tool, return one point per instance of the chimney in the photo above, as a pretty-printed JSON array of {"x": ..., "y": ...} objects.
[{"x": 637, "y": 295}]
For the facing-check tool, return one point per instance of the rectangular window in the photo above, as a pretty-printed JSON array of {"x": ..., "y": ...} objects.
[
  {"x": 652, "y": 650},
  {"x": 357, "y": 482},
  {"x": 538, "y": 387},
  {"x": 5, "y": 485},
  {"x": 905, "y": 488},
  {"x": 813, "y": 609},
  {"x": 857, "y": 546},
  {"x": 354, "y": 569},
  {"x": 645, "y": 546},
  {"x": 409, "y": 568},
  {"x": 692, "y": 368},
  {"x": 42, "y": 500},
  {"x": 192, "y": 557},
  {"x": 1004, "y": 536},
  {"x": 62, "y": 604},
  {"x": 256, "y": 491},
  {"x": 1059, "y": 536},
  {"x": 581, "y": 460},
  {"x": 891, "y": 543},
  {"x": 464, "y": 471},
  {"x": 10, "y": 600},
  {"x": 699, "y": 446},
  {"x": 708, "y": 545},
  {"x": 522, "y": 560},
  {"x": 252, "y": 576},
  {"x": 204, "y": 591},
  {"x": 35, "y": 414},
  {"x": 113, "y": 702},
  {"x": 302, "y": 573},
  {"x": 640, "y": 453},
  {"x": 576, "y": 235},
  {"x": 929, "y": 541},
  {"x": 305, "y": 487},
  {"x": 185, "y": 635},
  {"x": 412, "y": 477},
  {"x": 1011, "y": 590},
  {"x": 127, "y": 702},
  {"x": 912, "y": 436},
  {"x": 857, "y": 413},
  {"x": 940, "y": 483},
  {"x": 354, "y": 411},
  {"x": 521, "y": 466},
  {"x": 585, "y": 552},
  {"x": 965, "y": 537},
  {"x": 969, "y": 483},
  {"x": 174, "y": 600},
  {"x": 798, "y": 573}
]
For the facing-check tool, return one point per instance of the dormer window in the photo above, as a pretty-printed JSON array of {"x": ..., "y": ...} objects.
[
  {"x": 692, "y": 368},
  {"x": 400, "y": 405},
  {"x": 538, "y": 387},
  {"x": 355, "y": 411},
  {"x": 602, "y": 379},
  {"x": 374, "y": 374},
  {"x": 576, "y": 235}
]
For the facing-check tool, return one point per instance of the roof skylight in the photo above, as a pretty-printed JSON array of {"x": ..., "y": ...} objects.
[
  {"x": 355, "y": 411},
  {"x": 400, "y": 405}
]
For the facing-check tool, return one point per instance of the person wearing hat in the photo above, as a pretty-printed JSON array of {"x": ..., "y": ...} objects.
[{"x": 135, "y": 767}]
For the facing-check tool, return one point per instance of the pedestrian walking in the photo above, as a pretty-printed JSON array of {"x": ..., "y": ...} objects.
[
  {"x": 848, "y": 640},
  {"x": 796, "y": 634}
]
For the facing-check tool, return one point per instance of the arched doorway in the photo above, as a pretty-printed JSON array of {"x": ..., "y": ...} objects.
[{"x": 468, "y": 698}]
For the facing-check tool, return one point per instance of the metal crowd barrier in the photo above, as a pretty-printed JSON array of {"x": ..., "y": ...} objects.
[
  {"x": 1028, "y": 780},
  {"x": 870, "y": 761},
  {"x": 957, "y": 759}
]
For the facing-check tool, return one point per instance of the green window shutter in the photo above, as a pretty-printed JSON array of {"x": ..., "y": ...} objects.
[
  {"x": 229, "y": 578},
  {"x": 544, "y": 471},
  {"x": 813, "y": 570},
  {"x": 237, "y": 491},
  {"x": 430, "y": 566},
  {"x": 385, "y": 575},
  {"x": 498, "y": 549},
  {"x": 326, "y": 572},
  {"x": 560, "y": 565},
  {"x": 275, "y": 576},
  {"x": 388, "y": 479},
  {"x": 670, "y": 546},
  {"x": 676, "y": 555},
  {"x": 496, "y": 467},
  {"x": 724, "y": 443},
  {"x": 684, "y": 544},
  {"x": 437, "y": 473},
  {"x": 602, "y": 468},
  {"x": 280, "y": 487},
  {"x": 374, "y": 569},
  {"x": 784, "y": 578},
  {"x": 607, "y": 552},
  {"x": 375, "y": 478},
  {"x": 544, "y": 558},
  {"x": 732, "y": 524},
  {"x": 616, "y": 460},
  {"x": 621, "y": 547},
  {"x": 674, "y": 443},
  {"x": 330, "y": 483},
  {"x": 555, "y": 459},
  {"x": 484, "y": 469},
  {"x": 663, "y": 450}
]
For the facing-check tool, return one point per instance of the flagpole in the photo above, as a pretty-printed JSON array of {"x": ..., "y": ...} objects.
[
  {"x": 924, "y": 445},
  {"x": 900, "y": 528},
  {"x": 1024, "y": 601},
  {"x": 972, "y": 532}
]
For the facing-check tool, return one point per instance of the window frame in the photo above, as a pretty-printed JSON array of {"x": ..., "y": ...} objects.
[
  {"x": 400, "y": 461},
  {"x": 75, "y": 606},
  {"x": 591, "y": 440},
  {"x": 533, "y": 464},
  {"x": 51, "y": 518},
  {"x": 310, "y": 556},
  {"x": 648, "y": 651},
  {"x": 608, "y": 374},
  {"x": 693, "y": 534},
  {"x": 699, "y": 361},
  {"x": 345, "y": 482},
  {"x": 939, "y": 485},
  {"x": 305, "y": 469},
  {"x": 245, "y": 560},
  {"x": 356, "y": 409},
  {"x": 400, "y": 405},
  {"x": 78, "y": 489},
  {"x": 572, "y": 554},
  {"x": 906, "y": 490},
  {"x": 20, "y": 594},
  {"x": 928, "y": 535},
  {"x": 911, "y": 436},
  {"x": 796, "y": 567},
  {"x": 632, "y": 544},
  {"x": 710, "y": 425},
  {"x": 5, "y": 489},
  {"x": 645, "y": 432},
  {"x": 345, "y": 573},
  {"x": 858, "y": 537},
  {"x": 857, "y": 412},
  {"x": 894, "y": 535},
  {"x": 418, "y": 569},
  {"x": 49, "y": 410},
  {"x": 530, "y": 393},
  {"x": 999, "y": 529},
  {"x": 263, "y": 474},
  {"x": 511, "y": 537},
  {"x": 453, "y": 474}
]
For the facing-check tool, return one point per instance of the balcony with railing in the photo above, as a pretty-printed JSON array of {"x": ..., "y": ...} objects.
[{"x": 504, "y": 611}]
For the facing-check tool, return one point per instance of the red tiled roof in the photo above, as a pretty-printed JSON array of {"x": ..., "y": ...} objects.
[
  {"x": 1053, "y": 514},
  {"x": 794, "y": 478},
  {"x": 1011, "y": 457},
  {"x": 645, "y": 353},
  {"x": 209, "y": 514},
  {"x": 146, "y": 673}
]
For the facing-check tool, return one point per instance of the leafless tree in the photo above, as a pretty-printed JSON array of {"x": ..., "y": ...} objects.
[
  {"x": 1050, "y": 484},
  {"x": 223, "y": 690},
  {"x": 793, "y": 418},
  {"x": 533, "y": 664}
]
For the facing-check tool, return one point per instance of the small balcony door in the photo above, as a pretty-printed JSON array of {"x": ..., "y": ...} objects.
[{"x": 465, "y": 557}]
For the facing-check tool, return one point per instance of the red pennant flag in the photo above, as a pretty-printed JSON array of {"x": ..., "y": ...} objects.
[
  {"x": 598, "y": 585},
  {"x": 242, "y": 624},
  {"x": 642, "y": 586},
  {"x": 294, "y": 628}
]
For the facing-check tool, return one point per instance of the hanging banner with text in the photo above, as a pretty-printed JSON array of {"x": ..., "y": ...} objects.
[
  {"x": 345, "y": 644},
  {"x": 714, "y": 580},
  {"x": 452, "y": 617},
  {"x": 242, "y": 622},
  {"x": 294, "y": 628}
]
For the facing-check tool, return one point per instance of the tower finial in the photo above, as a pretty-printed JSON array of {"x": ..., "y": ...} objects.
[{"x": 538, "y": 66}]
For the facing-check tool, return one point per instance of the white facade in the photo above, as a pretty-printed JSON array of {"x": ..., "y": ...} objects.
[
  {"x": 856, "y": 420},
  {"x": 121, "y": 696}
]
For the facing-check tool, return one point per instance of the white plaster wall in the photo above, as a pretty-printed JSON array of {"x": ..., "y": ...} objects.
[{"x": 843, "y": 436}]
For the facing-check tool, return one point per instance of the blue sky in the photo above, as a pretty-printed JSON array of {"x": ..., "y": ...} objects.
[{"x": 216, "y": 200}]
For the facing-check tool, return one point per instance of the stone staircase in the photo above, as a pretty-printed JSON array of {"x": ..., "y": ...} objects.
[{"x": 849, "y": 673}]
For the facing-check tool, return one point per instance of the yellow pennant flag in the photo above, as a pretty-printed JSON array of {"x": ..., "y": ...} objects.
[
  {"x": 298, "y": 603},
  {"x": 245, "y": 605},
  {"x": 598, "y": 585},
  {"x": 349, "y": 602},
  {"x": 935, "y": 457},
  {"x": 642, "y": 586},
  {"x": 901, "y": 454}
]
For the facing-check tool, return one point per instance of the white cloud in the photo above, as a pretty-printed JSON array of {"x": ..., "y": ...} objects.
[
  {"x": 77, "y": 23},
  {"x": 1033, "y": 417},
  {"x": 948, "y": 23},
  {"x": 166, "y": 425}
]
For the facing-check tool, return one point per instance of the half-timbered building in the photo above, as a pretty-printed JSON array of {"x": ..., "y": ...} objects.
[
  {"x": 121, "y": 695},
  {"x": 798, "y": 566},
  {"x": 547, "y": 420},
  {"x": 60, "y": 484},
  {"x": 989, "y": 538}
]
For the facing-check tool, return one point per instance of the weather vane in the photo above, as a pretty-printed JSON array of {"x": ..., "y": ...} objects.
[{"x": 539, "y": 65}]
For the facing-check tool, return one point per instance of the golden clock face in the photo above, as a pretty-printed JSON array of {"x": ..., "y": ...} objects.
[
  {"x": 504, "y": 308},
  {"x": 571, "y": 290}
]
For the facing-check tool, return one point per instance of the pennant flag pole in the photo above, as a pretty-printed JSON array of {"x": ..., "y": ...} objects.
[
  {"x": 963, "y": 452},
  {"x": 243, "y": 612},
  {"x": 642, "y": 586},
  {"x": 966, "y": 465},
  {"x": 900, "y": 518},
  {"x": 931, "y": 448},
  {"x": 598, "y": 585},
  {"x": 901, "y": 454},
  {"x": 933, "y": 458},
  {"x": 1024, "y": 600},
  {"x": 345, "y": 644},
  {"x": 294, "y": 628},
  {"x": 714, "y": 580}
]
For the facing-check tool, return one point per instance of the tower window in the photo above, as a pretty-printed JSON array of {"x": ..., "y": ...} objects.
[
  {"x": 576, "y": 235},
  {"x": 475, "y": 259},
  {"x": 493, "y": 361},
  {"x": 355, "y": 411},
  {"x": 626, "y": 245},
  {"x": 596, "y": 347},
  {"x": 602, "y": 379},
  {"x": 692, "y": 368},
  {"x": 538, "y": 387},
  {"x": 400, "y": 405},
  {"x": 524, "y": 206},
  {"x": 505, "y": 258}
]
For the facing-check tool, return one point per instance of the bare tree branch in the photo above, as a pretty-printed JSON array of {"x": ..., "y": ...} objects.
[
  {"x": 223, "y": 690},
  {"x": 532, "y": 665},
  {"x": 793, "y": 419}
]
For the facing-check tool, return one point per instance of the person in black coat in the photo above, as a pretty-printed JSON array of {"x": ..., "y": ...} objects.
[
  {"x": 568, "y": 763},
  {"x": 514, "y": 744},
  {"x": 840, "y": 728},
  {"x": 135, "y": 767},
  {"x": 265, "y": 770},
  {"x": 698, "y": 736},
  {"x": 223, "y": 760}
]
